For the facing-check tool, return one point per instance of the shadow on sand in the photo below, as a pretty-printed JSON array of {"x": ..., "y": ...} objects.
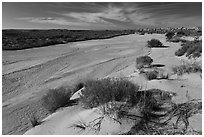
[
  {"x": 156, "y": 65},
  {"x": 160, "y": 47}
]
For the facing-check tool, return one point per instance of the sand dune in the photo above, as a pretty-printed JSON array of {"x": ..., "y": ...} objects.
[
  {"x": 63, "y": 124},
  {"x": 36, "y": 70}
]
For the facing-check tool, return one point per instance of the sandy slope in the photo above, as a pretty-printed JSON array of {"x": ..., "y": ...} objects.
[
  {"x": 62, "y": 123},
  {"x": 27, "y": 74},
  {"x": 164, "y": 56},
  {"x": 33, "y": 71}
]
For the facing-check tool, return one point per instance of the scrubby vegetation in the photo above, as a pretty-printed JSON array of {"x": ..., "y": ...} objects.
[
  {"x": 141, "y": 33},
  {"x": 143, "y": 61},
  {"x": 177, "y": 39},
  {"x": 164, "y": 124},
  {"x": 149, "y": 102},
  {"x": 187, "y": 67},
  {"x": 181, "y": 33},
  {"x": 169, "y": 35},
  {"x": 56, "y": 98},
  {"x": 99, "y": 92},
  {"x": 150, "y": 75},
  {"x": 191, "y": 49},
  {"x": 175, "y": 36},
  {"x": 143, "y": 64},
  {"x": 116, "y": 98},
  {"x": 154, "y": 74},
  {"x": 154, "y": 43},
  {"x": 23, "y": 39}
]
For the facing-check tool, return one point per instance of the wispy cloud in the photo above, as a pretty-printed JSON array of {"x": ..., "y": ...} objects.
[
  {"x": 125, "y": 14},
  {"x": 84, "y": 18},
  {"x": 52, "y": 20},
  {"x": 98, "y": 17}
]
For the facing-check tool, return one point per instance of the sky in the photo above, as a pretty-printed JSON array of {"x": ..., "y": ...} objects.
[{"x": 100, "y": 15}]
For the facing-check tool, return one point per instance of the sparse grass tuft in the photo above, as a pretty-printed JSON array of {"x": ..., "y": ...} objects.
[
  {"x": 33, "y": 120},
  {"x": 80, "y": 125},
  {"x": 160, "y": 116},
  {"x": 56, "y": 98}
]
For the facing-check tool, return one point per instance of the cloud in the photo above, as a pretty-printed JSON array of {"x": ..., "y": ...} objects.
[
  {"x": 142, "y": 19},
  {"x": 117, "y": 15},
  {"x": 110, "y": 12},
  {"x": 51, "y": 20},
  {"x": 178, "y": 20},
  {"x": 68, "y": 23},
  {"x": 110, "y": 15}
]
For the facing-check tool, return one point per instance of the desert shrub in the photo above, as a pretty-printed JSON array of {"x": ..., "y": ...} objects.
[
  {"x": 181, "y": 52},
  {"x": 169, "y": 35},
  {"x": 182, "y": 40},
  {"x": 154, "y": 43},
  {"x": 187, "y": 67},
  {"x": 99, "y": 92},
  {"x": 150, "y": 75},
  {"x": 191, "y": 49},
  {"x": 194, "y": 51},
  {"x": 56, "y": 98},
  {"x": 142, "y": 33},
  {"x": 181, "y": 33},
  {"x": 142, "y": 61},
  {"x": 177, "y": 39},
  {"x": 174, "y": 40},
  {"x": 164, "y": 76}
]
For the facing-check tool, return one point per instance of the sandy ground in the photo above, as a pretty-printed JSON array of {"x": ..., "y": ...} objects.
[
  {"x": 66, "y": 119},
  {"x": 28, "y": 74}
]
